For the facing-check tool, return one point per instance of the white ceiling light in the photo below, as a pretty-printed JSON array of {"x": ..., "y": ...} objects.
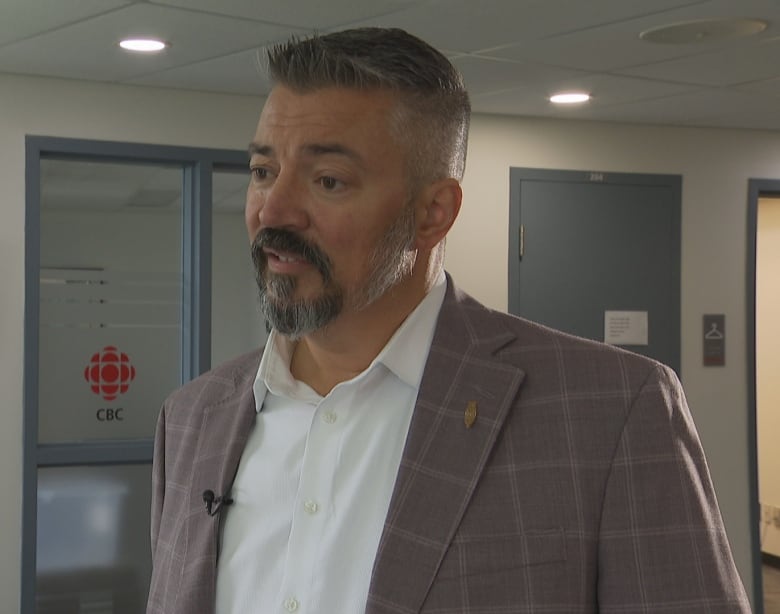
[
  {"x": 143, "y": 45},
  {"x": 570, "y": 98}
]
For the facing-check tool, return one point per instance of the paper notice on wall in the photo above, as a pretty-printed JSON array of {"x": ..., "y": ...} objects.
[{"x": 625, "y": 327}]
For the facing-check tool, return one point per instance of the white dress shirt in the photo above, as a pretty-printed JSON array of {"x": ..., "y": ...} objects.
[{"x": 314, "y": 483}]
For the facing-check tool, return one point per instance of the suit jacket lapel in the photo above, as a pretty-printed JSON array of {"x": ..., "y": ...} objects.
[
  {"x": 223, "y": 435},
  {"x": 444, "y": 456},
  {"x": 226, "y": 423}
]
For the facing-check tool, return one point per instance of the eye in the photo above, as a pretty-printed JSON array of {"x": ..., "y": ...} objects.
[
  {"x": 259, "y": 173},
  {"x": 330, "y": 183}
]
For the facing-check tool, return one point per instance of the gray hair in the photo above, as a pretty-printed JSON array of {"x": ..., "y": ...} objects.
[{"x": 432, "y": 118}]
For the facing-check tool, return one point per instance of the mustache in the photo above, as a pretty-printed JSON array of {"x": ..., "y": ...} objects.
[{"x": 287, "y": 241}]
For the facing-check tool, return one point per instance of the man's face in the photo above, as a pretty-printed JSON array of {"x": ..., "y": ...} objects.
[{"x": 328, "y": 208}]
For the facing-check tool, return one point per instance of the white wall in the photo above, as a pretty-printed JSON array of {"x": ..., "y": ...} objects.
[{"x": 715, "y": 165}]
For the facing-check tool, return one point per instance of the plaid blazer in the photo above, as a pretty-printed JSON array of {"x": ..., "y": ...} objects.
[{"x": 576, "y": 484}]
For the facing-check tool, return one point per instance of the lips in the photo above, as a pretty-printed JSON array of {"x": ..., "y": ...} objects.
[
  {"x": 285, "y": 251},
  {"x": 285, "y": 263},
  {"x": 286, "y": 257}
]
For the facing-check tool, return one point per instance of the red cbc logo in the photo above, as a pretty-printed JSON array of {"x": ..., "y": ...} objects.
[{"x": 109, "y": 373}]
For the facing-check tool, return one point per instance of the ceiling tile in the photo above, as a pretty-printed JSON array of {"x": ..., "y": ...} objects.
[
  {"x": 237, "y": 73},
  {"x": 22, "y": 18},
  {"x": 616, "y": 43},
  {"x": 484, "y": 75},
  {"x": 740, "y": 63},
  {"x": 466, "y": 25},
  {"x": 297, "y": 13},
  {"x": 704, "y": 107},
  {"x": 594, "y": 49},
  {"x": 690, "y": 109},
  {"x": 525, "y": 101},
  {"x": 607, "y": 91},
  {"x": 88, "y": 50}
]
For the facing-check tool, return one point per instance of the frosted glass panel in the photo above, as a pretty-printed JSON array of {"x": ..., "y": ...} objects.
[
  {"x": 236, "y": 323},
  {"x": 93, "y": 550},
  {"x": 110, "y": 298}
]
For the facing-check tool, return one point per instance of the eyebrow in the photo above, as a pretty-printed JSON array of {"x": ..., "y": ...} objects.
[
  {"x": 260, "y": 150},
  {"x": 313, "y": 150},
  {"x": 325, "y": 149}
]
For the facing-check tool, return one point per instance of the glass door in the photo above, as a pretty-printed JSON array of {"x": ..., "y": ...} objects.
[
  {"x": 109, "y": 342},
  {"x": 118, "y": 315}
]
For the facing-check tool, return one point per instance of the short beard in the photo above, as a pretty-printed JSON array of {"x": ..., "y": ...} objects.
[
  {"x": 282, "y": 312},
  {"x": 390, "y": 262}
]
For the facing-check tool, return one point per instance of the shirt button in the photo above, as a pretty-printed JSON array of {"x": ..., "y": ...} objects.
[
  {"x": 329, "y": 417},
  {"x": 291, "y": 604},
  {"x": 311, "y": 507}
]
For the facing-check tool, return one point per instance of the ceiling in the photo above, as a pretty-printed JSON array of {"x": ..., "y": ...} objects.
[{"x": 513, "y": 53}]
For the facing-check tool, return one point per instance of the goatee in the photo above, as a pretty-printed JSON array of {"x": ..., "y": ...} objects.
[
  {"x": 391, "y": 261},
  {"x": 282, "y": 312}
]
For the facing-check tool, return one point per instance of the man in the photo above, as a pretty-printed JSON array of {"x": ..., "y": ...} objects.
[{"x": 396, "y": 446}]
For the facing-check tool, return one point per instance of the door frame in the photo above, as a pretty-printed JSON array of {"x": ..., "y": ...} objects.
[{"x": 757, "y": 188}]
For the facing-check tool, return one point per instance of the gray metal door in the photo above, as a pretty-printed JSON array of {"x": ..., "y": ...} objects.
[{"x": 585, "y": 243}]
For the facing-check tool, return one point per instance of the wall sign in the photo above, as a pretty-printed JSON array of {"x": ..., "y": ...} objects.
[
  {"x": 625, "y": 327},
  {"x": 714, "y": 340}
]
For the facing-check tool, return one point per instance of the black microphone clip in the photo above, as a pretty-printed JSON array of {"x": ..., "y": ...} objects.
[{"x": 214, "y": 503}]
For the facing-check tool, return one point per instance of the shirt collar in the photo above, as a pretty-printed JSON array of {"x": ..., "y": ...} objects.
[{"x": 405, "y": 354}]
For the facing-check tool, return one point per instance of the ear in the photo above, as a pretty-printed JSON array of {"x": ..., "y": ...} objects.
[{"x": 437, "y": 210}]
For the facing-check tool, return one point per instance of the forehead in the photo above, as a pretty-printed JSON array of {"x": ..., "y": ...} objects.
[{"x": 331, "y": 112}]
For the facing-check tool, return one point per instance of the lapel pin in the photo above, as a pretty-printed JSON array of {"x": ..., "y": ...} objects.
[{"x": 470, "y": 417}]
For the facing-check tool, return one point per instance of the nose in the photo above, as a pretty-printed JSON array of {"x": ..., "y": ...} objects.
[{"x": 276, "y": 204}]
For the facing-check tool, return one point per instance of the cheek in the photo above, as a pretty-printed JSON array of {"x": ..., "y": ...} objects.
[
  {"x": 348, "y": 247},
  {"x": 251, "y": 228},
  {"x": 355, "y": 251},
  {"x": 252, "y": 216}
]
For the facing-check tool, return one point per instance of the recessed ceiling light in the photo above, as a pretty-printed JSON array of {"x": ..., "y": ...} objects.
[
  {"x": 570, "y": 98},
  {"x": 144, "y": 45},
  {"x": 704, "y": 31}
]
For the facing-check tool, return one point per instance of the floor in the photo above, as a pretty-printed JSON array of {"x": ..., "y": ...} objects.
[{"x": 771, "y": 576}]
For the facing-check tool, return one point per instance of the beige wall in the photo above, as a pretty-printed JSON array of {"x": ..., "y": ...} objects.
[
  {"x": 715, "y": 165},
  {"x": 767, "y": 368}
]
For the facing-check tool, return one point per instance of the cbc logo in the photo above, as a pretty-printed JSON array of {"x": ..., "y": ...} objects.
[
  {"x": 109, "y": 414},
  {"x": 109, "y": 373}
]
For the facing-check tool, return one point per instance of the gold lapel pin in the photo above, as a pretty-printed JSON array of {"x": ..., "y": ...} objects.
[{"x": 470, "y": 417}]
